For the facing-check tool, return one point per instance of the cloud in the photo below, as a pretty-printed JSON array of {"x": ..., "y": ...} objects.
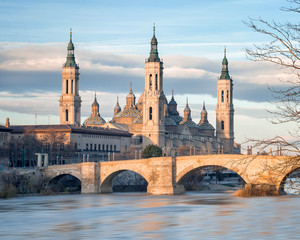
[{"x": 37, "y": 68}]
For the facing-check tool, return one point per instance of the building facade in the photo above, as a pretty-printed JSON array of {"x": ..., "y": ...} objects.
[{"x": 155, "y": 120}]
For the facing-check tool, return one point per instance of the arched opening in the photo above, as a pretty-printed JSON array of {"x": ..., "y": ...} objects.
[
  {"x": 65, "y": 183},
  {"x": 67, "y": 86},
  {"x": 222, "y": 97},
  {"x": 124, "y": 181},
  {"x": 211, "y": 177},
  {"x": 67, "y": 115},
  {"x": 291, "y": 183}
]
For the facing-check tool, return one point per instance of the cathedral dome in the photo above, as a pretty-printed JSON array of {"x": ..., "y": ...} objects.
[
  {"x": 206, "y": 126},
  {"x": 169, "y": 121},
  {"x": 128, "y": 113},
  {"x": 189, "y": 123},
  {"x": 94, "y": 121}
]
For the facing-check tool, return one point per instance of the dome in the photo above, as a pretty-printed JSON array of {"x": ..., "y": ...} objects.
[
  {"x": 139, "y": 119},
  {"x": 128, "y": 113},
  {"x": 172, "y": 102},
  {"x": 94, "y": 121},
  {"x": 206, "y": 126},
  {"x": 169, "y": 121},
  {"x": 176, "y": 118},
  {"x": 189, "y": 123}
]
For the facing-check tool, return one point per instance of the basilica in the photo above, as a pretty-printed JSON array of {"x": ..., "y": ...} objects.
[{"x": 152, "y": 119}]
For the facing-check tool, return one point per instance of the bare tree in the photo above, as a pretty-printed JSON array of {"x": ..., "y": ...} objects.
[{"x": 283, "y": 50}]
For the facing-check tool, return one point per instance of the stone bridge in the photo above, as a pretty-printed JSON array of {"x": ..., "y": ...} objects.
[{"x": 166, "y": 175}]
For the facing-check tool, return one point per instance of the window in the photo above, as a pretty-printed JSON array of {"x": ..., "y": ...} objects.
[
  {"x": 222, "y": 98},
  {"x": 87, "y": 146},
  {"x": 222, "y": 125},
  {"x": 150, "y": 81},
  {"x": 99, "y": 147},
  {"x": 67, "y": 86},
  {"x": 227, "y": 96},
  {"x": 111, "y": 148},
  {"x": 72, "y": 86},
  {"x": 91, "y": 147},
  {"x": 150, "y": 113},
  {"x": 103, "y": 147},
  {"x": 106, "y": 148},
  {"x": 67, "y": 115},
  {"x": 75, "y": 146},
  {"x": 156, "y": 82},
  {"x": 95, "y": 147},
  {"x": 115, "y": 148}
]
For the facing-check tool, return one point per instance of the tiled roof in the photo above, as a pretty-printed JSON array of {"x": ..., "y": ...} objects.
[
  {"x": 128, "y": 113},
  {"x": 139, "y": 119},
  {"x": 206, "y": 126},
  {"x": 176, "y": 118},
  {"x": 170, "y": 121},
  {"x": 189, "y": 123},
  {"x": 97, "y": 120}
]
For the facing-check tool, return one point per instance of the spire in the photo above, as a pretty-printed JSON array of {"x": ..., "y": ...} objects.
[
  {"x": 187, "y": 111},
  {"x": 203, "y": 114},
  {"x": 130, "y": 99},
  {"x": 153, "y": 52},
  {"x": 130, "y": 90},
  {"x": 70, "y": 57},
  {"x": 95, "y": 107},
  {"x": 225, "y": 72},
  {"x": 117, "y": 108},
  {"x": 172, "y": 94}
]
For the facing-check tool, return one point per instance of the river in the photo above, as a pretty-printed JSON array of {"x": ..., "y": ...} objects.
[{"x": 137, "y": 216}]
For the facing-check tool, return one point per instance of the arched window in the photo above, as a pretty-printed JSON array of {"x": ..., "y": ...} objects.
[
  {"x": 222, "y": 96},
  {"x": 150, "y": 113},
  {"x": 150, "y": 81},
  {"x": 72, "y": 86},
  {"x": 67, "y": 115},
  {"x": 222, "y": 125},
  {"x": 156, "y": 82},
  {"x": 67, "y": 86},
  {"x": 227, "y": 96}
]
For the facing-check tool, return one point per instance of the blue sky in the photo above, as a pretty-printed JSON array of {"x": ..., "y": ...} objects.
[{"x": 111, "y": 42}]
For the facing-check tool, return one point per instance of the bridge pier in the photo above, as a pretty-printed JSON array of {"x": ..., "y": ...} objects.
[
  {"x": 90, "y": 177},
  {"x": 162, "y": 178}
]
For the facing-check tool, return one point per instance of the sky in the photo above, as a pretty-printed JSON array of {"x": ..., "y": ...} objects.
[{"x": 112, "y": 40}]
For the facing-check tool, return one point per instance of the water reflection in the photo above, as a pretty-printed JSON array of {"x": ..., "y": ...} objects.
[{"x": 135, "y": 216}]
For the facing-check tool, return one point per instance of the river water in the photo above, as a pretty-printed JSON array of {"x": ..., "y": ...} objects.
[{"x": 139, "y": 216}]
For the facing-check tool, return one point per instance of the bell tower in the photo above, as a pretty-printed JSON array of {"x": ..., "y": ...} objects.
[
  {"x": 224, "y": 109},
  {"x": 154, "y": 99},
  {"x": 70, "y": 101}
]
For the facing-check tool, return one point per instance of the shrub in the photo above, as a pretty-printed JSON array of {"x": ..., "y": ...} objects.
[{"x": 151, "y": 151}]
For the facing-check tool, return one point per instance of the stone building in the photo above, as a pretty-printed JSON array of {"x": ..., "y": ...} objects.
[{"x": 155, "y": 120}]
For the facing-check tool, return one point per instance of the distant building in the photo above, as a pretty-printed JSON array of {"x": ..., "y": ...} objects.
[{"x": 155, "y": 120}]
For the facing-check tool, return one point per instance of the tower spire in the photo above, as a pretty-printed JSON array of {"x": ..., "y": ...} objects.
[
  {"x": 225, "y": 71},
  {"x": 172, "y": 94},
  {"x": 70, "y": 34},
  {"x": 153, "y": 52},
  {"x": 130, "y": 90}
]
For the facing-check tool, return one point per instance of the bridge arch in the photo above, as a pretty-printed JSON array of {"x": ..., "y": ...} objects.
[
  {"x": 283, "y": 179},
  {"x": 187, "y": 166},
  {"x": 70, "y": 183},
  {"x": 189, "y": 171},
  {"x": 106, "y": 184}
]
